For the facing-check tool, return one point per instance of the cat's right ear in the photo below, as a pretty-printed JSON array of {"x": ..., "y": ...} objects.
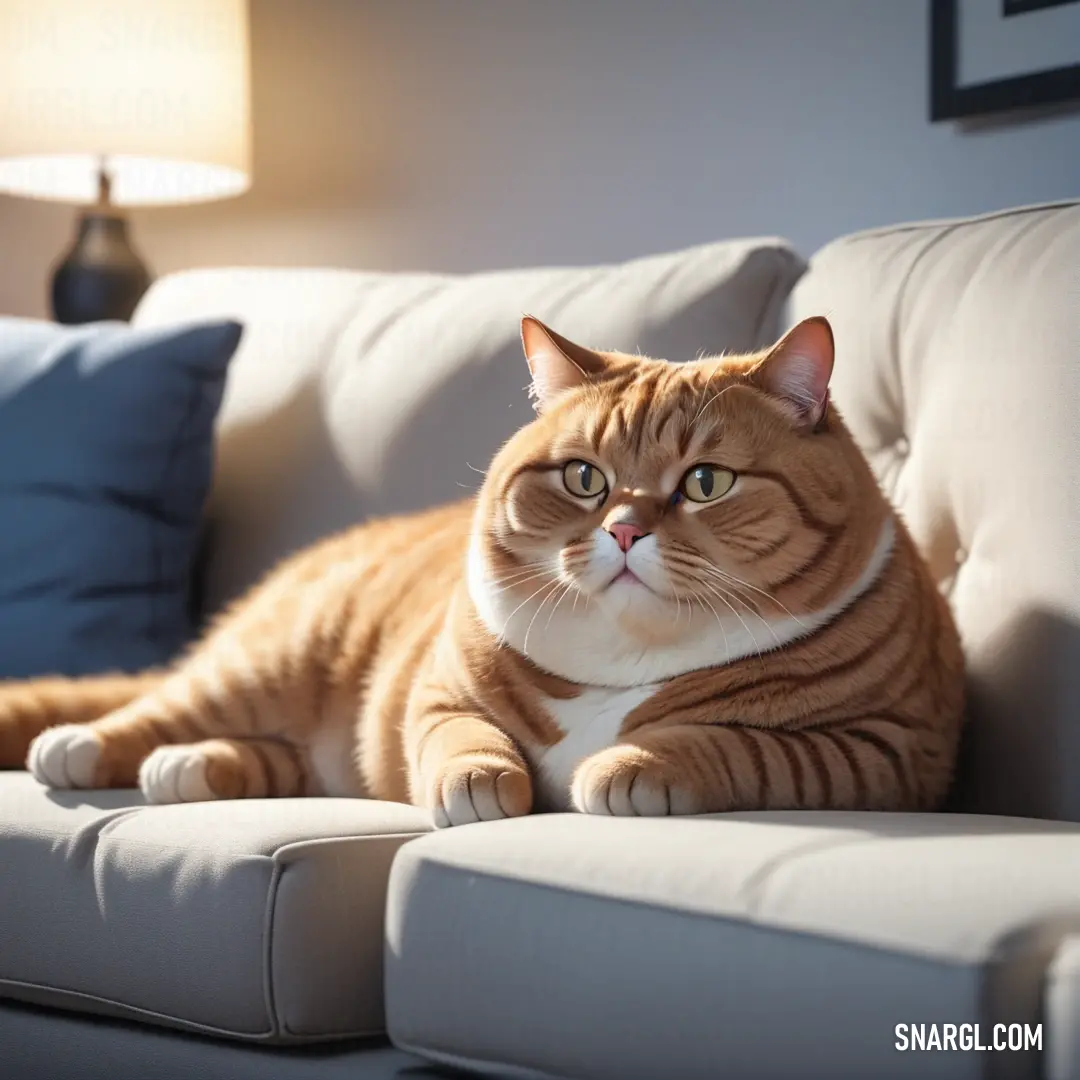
[{"x": 557, "y": 365}]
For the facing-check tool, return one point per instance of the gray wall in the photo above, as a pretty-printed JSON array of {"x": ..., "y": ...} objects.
[{"x": 464, "y": 134}]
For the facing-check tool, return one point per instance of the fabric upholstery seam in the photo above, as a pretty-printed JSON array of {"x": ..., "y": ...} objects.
[{"x": 733, "y": 920}]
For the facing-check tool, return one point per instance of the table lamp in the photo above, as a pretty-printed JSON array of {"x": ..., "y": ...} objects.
[{"x": 116, "y": 103}]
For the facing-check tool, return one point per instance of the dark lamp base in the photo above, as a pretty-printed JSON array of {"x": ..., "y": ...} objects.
[{"x": 100, "y": 276}]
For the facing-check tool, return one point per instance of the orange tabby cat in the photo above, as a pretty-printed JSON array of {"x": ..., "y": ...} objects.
[{"x": 679, "y": 590}]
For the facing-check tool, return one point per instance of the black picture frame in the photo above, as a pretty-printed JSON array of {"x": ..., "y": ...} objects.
[
  {"x": 950, "y": 101},
  {"x": 1022, "y": 7}
]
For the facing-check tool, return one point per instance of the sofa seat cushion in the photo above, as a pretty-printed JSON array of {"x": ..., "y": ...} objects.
[
  {"x": 748, "y": 945},
  {"x": 257, "y": 919}
]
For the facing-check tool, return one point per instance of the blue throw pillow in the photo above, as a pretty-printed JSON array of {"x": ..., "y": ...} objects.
[{"x": 106, "y": 452}]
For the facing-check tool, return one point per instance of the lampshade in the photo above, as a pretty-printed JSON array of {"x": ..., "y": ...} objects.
[{"x": 156, "y": 90}]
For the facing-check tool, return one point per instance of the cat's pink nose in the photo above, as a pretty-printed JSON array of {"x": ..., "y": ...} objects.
[{"x": 626, "y": 535}]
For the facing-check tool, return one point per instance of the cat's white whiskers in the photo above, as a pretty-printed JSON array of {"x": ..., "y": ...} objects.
[
  {"x": 705, "y": 390},
  {"x": 731, "y": 578},
  {"x": 734, "y": 611},
  {"x": 740, "y": 596},
  {"x": 528, "y": 569},
  {"x": 562, "y": 596},
  {"x": 554, "y": 585},
  {"x": 715, "y": 397},
  {"x": 779, "y": 642},
  {"x": 519, "y": 577},
  {"x": 521, "y": 581},
  {"x": 723, "y": 597},
  {"x": 510, "y": 617},
  {"x": 736, "y": 593},
  {"x": 720, "y": 623}
]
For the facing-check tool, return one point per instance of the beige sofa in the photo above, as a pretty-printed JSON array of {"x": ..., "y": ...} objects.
[{"x": 284, "y": 939}]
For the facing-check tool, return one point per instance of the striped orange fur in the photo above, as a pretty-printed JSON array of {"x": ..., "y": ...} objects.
[{"x": 679, "y": 590}]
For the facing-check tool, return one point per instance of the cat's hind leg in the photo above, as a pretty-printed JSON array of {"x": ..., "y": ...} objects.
[
  {"x": 31, "y": 707},
  {"x": 107, "y": 753},
  {"x": 210, "y": 697},
  {"x": 223, "y": 769}
]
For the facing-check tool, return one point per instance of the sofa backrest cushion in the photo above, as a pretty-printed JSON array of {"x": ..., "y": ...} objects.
[
  {"x": 359, "y": 394},
  {"x": 958, "y": 370}
]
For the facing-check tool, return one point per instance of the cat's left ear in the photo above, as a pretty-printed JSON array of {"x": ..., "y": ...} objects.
[
  {"x": 556, "y": 363},
  {"x": 798, "y": 368}
]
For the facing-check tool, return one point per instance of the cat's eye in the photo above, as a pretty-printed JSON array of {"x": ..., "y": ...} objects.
[
  {"x": 706, "y": 483},
  {"x": 583, "y": 480}
]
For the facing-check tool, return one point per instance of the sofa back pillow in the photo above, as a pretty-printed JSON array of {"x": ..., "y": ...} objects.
[
  {"x": 106, "y": 449},
  {"x": 359, "y": 394}
]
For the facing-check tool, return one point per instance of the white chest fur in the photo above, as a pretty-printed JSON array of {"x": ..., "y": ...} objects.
[{"x": 590, "y": 722}]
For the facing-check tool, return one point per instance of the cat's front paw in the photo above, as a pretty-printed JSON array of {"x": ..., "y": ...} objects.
[
  {"x": 626, "y": 781},
  {"x": 479, "y": 787},
  {"x": 68, "y": 756}
]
